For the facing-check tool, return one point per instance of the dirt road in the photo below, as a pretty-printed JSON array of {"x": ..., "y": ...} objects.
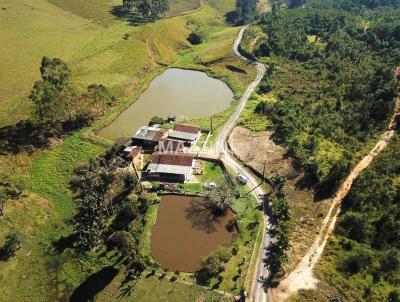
[{"x": 303, "y": 276}]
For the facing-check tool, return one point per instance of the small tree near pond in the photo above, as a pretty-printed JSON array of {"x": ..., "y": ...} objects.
[
  {"x": 213, "y": 264},
  {"x": 121, "y": 240},
  {"x": 220, "y": 198}
]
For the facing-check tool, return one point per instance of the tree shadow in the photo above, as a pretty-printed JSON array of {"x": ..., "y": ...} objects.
[
  {"x": 64, "y": 243},
  {"x": 236, "y": 69},
  {"x": 94, "y": 284},
  {"x": 231, "y": 17},
  {"x": 201, "y": 216}
]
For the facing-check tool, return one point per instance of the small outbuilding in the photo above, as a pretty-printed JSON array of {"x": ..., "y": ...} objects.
[
  {"x": 187, "y": 133},
  {"x": 148, "y": 137}
]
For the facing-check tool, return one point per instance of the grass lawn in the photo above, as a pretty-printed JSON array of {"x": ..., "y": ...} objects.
[{"x": 152, "y": 289}]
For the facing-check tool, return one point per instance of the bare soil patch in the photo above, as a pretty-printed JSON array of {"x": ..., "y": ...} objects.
[{"x": 255, "y": 148}]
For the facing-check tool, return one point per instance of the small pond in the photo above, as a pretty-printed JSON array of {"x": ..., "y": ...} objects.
[
  {"x": 186, "y": 231},
  {"x": 187, "y": 94}
]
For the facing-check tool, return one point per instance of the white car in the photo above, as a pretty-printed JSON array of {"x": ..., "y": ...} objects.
[
  {"x": 209, "y": 185},
  {"x": 242, "y": 179}
]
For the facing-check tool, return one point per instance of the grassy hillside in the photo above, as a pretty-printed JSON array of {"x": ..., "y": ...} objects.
[
  {"x": 84, "y": 34},
  {"x": 96, "y": 52}
]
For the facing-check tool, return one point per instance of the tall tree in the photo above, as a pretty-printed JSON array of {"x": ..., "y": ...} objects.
[
  {"x": 246, "y": 11},
  {"x": 220, "y": 198}
]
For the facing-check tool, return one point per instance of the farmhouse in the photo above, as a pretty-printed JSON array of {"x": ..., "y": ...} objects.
[
  {"x": 171, "y": 166},
  {"x": 148, "y": 137},
  {"x": 186, "y": 133},
  {"x": 170, "y": 145}
]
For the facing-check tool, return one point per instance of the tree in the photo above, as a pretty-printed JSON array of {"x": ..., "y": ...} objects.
[
  {"x": 51, "y": 95},
  {"x": 159, "y": 8},
  {"x": 356, "y": 226},
  {"x": 55, "y": 71},
  {"x": 246, "y": 11},
  {"x": 9, "y": 190},
  {"x": 146, "y": 8},
  {"x": 213, "y": 264},
  {"x": 11, "y": 246},
  {"x": 156, "y": 120},
  {"x": 195, "y": 38},
  {"x": 296, "y": 3},
  {"x": 90, "y": 221},
  {"x": 121, "y": 240},
  {"x": 125, "y": 216},
  {"x": 220, "y": 198},
  {"x": 390, "y": 261}
]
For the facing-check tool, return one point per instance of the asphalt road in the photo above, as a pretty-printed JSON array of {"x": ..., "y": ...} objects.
[{"x": 257, "y": 293}]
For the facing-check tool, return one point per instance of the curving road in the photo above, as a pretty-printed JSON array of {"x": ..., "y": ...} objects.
[{"x": 257, "y": 293}]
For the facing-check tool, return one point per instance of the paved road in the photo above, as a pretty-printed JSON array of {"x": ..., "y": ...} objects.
[{"x": 257, "y": 293}]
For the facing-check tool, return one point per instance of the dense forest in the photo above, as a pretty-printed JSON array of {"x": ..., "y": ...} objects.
[
  {"x": 246, "y": 11},
  {"x": 334, "y": 84},
  {"x": 368, "y": 231},
  {"x": 328, "y": 93}
]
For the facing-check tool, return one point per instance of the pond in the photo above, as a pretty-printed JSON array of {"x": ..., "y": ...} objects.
[
  {"x": 186, "y": 231},
  {"x": 187, "y": 94}
]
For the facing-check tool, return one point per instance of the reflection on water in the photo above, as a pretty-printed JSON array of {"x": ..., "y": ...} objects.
[
  {"x": 186, "y": 94},
  {"x": 186, "y": 231}
]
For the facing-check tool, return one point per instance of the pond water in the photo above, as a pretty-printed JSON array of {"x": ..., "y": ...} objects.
[
  {"x": 186, "y": 94},
  {"x": 186, "y": 231}
]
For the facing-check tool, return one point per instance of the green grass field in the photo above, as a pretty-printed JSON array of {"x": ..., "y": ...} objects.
[
  {"x": 84, "y": 34},
  {"x": 96, "y": 52}
]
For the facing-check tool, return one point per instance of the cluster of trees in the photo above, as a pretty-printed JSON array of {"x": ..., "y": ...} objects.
[
  {"x": 338, "y": 101},
  {"x": 110, "y": 209},
  {"x": 246, "y": 11},
  {"x": 212, "y": 265},
  {"x": 94, "y": 198},
  {"x": 57, "y": 100},
  {"x": 280, "y": 215},
  {"x": 146, "y": 9},
  {"x": 59, "y": 107},
  {"x": 354, "y": 4},
  {"x": 349, "y": 5},
  {"x": 369, "y": 226}
]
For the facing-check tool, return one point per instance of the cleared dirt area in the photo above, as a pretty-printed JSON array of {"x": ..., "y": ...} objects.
[{"x": 255, "y": 148}]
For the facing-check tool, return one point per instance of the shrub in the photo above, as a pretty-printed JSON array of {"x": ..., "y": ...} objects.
[
  {"x": 11, "y": 246},
  {"x": 213, "y": 264},
  {"x": 265, "y": 86},
  {"x": 125, "y": 216},
  {"x": 121, "y": 240},
  {"x": 156, "y": 120},
  {"x": 195, "y": 38}
]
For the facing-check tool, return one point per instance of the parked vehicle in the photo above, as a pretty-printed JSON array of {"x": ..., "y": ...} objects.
[
  {"x": 242, "y": 179},
  {"x": 209, "y": 185}
]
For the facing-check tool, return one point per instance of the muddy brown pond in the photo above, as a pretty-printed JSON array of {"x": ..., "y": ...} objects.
[
  {"x": 186, "y": 231},
  {"x": 186, "y": 94}
]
